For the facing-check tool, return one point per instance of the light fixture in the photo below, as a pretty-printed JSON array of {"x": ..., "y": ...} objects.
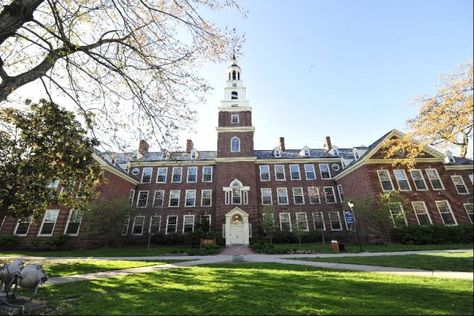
[{"x": 350, "y": 204}]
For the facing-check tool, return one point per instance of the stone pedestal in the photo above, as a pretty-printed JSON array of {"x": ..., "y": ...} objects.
[{"x": 20, "y": 306}]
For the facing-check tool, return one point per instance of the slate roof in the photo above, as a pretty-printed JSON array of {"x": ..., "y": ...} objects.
[
  {"x": 293, "y": 154},
  {"x": 461, "y": 161}
]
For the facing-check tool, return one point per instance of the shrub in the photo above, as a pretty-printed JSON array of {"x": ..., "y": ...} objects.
[
  {"x": 58, "y": 241},
  {"x": 284, "y": 237},
  {"x": 433, "y": 234},
  {"x": 7, "y": 241}
]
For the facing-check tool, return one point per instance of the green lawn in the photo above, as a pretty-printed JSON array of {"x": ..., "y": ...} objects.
[
  {"x": 458, "y": 261},
  {"x": 257, "y": 289}
]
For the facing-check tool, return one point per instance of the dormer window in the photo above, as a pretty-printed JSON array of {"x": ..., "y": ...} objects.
[
  {"x": 234, "y": 95},
  {"x": 277, "y": 152},
  {"x": 235, "y": 144},
  {"x": 194, "y": 154},
  {"x": 234, "y": 118},
  {"x": 336, "y": 152},
  {"x": 356, "y": 155}
]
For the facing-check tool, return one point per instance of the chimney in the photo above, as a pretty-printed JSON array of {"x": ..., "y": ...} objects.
[
  {"x": 282, "y": 143},
  {"x": 189, "y": 146},
  {"x": 143, "y": 147},
  {"x": 327, "y": 144}
]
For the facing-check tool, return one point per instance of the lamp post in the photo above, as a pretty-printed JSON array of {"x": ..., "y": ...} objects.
[{"x": 351, "y": 206}]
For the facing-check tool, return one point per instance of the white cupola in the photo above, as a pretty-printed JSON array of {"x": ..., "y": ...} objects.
[{"x": 235, "y": 92}]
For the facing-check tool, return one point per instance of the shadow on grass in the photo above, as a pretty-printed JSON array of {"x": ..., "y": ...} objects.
[{"x": 262, "y": 289}]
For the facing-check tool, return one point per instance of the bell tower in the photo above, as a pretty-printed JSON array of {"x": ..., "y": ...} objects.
[{"x": 235, "y": 130}]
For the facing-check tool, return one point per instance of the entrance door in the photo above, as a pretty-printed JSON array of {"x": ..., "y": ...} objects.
[{"x": 237, "y": 233}]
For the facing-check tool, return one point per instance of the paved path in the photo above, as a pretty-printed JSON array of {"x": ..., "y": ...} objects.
[{"x": 189, "y": 261}]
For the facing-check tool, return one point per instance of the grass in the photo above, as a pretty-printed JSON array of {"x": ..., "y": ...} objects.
[
  {"x": 126, "y": 251},
  {"x": 255, "y": 289},
  {"x": 457, "y": 261}
]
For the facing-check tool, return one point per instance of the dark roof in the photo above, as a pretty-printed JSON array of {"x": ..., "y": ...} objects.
[
  {"x": 104, "y": 157},
  {"x": 293, "y": 154},
  {"x": 461, "y": 161}
]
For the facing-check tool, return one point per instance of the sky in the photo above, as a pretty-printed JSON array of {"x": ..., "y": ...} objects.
[{"x": 340, "y": 68}]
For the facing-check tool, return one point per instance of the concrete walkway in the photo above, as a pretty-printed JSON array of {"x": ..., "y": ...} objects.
[{"x": 190, "y": 261}]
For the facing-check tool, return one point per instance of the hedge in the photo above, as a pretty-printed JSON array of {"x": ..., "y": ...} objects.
[{"x": 433, "y": 234}]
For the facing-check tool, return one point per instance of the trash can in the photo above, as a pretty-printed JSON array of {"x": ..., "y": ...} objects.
[
  {"x": 342, "y": 248},
  {"x": 334, "y": 246}
]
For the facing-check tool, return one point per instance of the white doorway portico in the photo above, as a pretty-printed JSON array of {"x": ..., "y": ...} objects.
[{"x": 237, "y": 227}]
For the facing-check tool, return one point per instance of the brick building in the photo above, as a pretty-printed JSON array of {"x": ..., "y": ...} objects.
[{"x": 234, "y": 186}]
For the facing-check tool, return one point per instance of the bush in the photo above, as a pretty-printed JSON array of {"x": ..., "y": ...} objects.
[
  {"x": 7, "y": 241},
  {"x": 433, "y": 234},
  {"x": 58, "y": 241},
  {"x": 284, "y": 237}
]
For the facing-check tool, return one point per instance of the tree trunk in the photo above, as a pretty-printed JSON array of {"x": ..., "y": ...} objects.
[{"x": 15, "y": 15}]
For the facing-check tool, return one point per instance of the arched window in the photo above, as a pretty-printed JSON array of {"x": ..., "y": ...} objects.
[
  {"x": 238, "y": 75},
  {"x": 235, "y": 144},
  {"x": 236, "y": 193},
  {"x": 234, "y": 95},
  {"x": 234, "y": 75}
]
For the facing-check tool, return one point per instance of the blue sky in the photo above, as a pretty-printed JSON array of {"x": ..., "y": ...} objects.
[{"x": 345, "y": 69}]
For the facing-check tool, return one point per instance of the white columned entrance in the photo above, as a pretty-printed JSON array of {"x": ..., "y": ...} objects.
[{"x": 237, "y": 227}]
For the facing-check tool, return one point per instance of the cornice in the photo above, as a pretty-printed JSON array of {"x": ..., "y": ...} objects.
[
  {"x": 234, "y": 109},
  {"x": 236, "y": 159},
  {"x": 277, "y": 161},
  {"x": 235, "y": 129},
  {"x": 105, "y": 166},
  {"x": 165, "y": 163},
  {"x": 459, "y": 167}
]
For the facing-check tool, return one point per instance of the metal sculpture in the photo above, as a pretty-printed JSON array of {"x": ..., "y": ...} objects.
[
  {"x": 9, "y": 275},
  {"x": 16, "y": 273},
  {"x": 31, "y": 277}
]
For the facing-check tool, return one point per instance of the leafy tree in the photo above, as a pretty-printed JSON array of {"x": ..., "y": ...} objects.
[
  {"x": 267, "y": 222},
  {"x": 38, "y": 148},
  {"x": 131, "y": 62},
  {"x": 443, "y": 119}
]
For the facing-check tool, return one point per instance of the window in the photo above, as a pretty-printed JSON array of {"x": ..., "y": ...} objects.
[
  {"x": 302, "y": 221},
  {"x": 266, "y": 196},
  {"x": 53, "y": 184},
  {"x": 49, "y": 221},
  {"x": 131, "y": 195},
  {"x": 469, "y": 207},
  {"x": 329, "y": 195},
  {"x": 22, "y": 227},
  {"x": 235, "y": 144},
  {"x": 459, "y": 184},
  {"x": 158, "y": 198},
  {"x": 471, "y": 177},
  {"x": 309, "y": 172},
  {"x": 285, "y": 222},
  {"x": 313, "y": 193},
  {"x": 142, "y": 199},
  {"x": 268, "y": 221},
  {"x": 194, "y": 154},
  {"x": 137, "y": 226},
  {"x": 155, "y": 223},
  {"x": 190, "y": 198},
  {"x": 174, "y": 198},
  {"x": 236, "y": 193},
  {"x": 402, "y": 180},
  {"x": 295, "y": 172},
  {"x": 188, "y": 223},
  {"x": 205, "y": 222},
  {"x": 397, "y": 214},
  {"x": 146, "y": 175},
  {"x": 162, "y": 175},
  {"x": 176, "y": 177},
  {"x": 340, "y": 193},
  {"x": 171, "y": 224},
  {"x": 418, "y": 179},
  {"x": 207, "y": 174},
  {"x": 335, "y": 167},
  {"x": 234, "y": 118},
  {"x": 234, "y": 95},
  {"x": 385, "y": 180},
  {"x": 434, "y": 178},
  {"x": 73, "y": 223},
  {"x": 126, "y": 223},
  {"x": 446, "y": 213},
  {"x": 325, "y": 172},
  {"x": 264, "y": 173},
  {"x": 335, "y": 220},
  {"x": 298, "y": 196},
  {"x": 421, "y": 213},
  {"x": 280, "y": 173},
  {"x": 206, "y": 197},
  {"x": 282, "y": 194},
  {"x": 192, "y": 174},
  {"x": 318, "y": 221},
  {"x": 277, "y": 152}
]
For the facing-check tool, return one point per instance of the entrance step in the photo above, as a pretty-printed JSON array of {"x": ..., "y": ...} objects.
[{"x": 237, "y": 250}]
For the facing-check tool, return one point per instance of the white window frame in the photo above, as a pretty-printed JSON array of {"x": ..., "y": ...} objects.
[
  {"x": 326, "y": 196},
  {"x": 143, "y": 174},
  {"x": 289, "y": 220},
  {"x": 295, "y": 195},
  {"x": 339, "y": 220},
  {"x": 321, "y": 171},
  {"x": 127, "y": 226},
  {"x": 431, "y": 179},
  {"x": 28, "y": 220},
  {"x": 146, "y": 201},
  {"x": 277, "y": 153},
  {"x": 316, "y": 189},
  {"x": 306, "y": 171},
  {"x": 322, "y": 220},
  {"x": 180, "y": 174},
  {"x": 422, "y": 178},
  {"x": 69, "y": 221},
  {"x": 184, "y": 221},
  {"x": 306, "y": 228},
  {"x": 151, "y": 222},
  {"x": 3, "y": 222},
  {"x": 461, "y": 183},
  {"x": 165, "y": 169},
  {"x": 286, "y": 194},
  {"x": 232, "y": 121},
  {"x": 188, "y": 174},
  {"x": 193, "y": 194},
  {"x": 203, "y": 173},
  {"x": 466, "y": 208},
  {"x": 131, "y": 196},
  {"x": 135, "y": 218},
  {"x": 167, "y": 222},
  {"x": 450, "y": 211},
  {"x": 276, "y": 173},
  {"x": 340, "y": 193},
  {"x": 262, "y": 195},
  {"x": 56, "y": 211},
  {"x": 260, "y": 169},
  {"x": 170, "y": 198},
  {"x": 291, "y": 172},
  {"x": 162, "y": 199},
  {"x": 402, "y": 211},
  {"x": 403, "y": 173},
  {"x": 387, "y": 173},
  {"x": 232, "y": 149},
  {"x": 209, "y": 219},
  {"x": 413, "y": 205},
  {"x": 210, "y": 197}
]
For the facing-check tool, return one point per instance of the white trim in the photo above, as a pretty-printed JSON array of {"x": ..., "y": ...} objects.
[
  {"x": 466, "y": 207},
  {"x": 235, "y": 129},
  {"x": 56, "y": 211},
  {"x": 210, "y": 197},
  {"x": 318, "y": 195},
  {"x": 169, "y": 198},
  {"x": 340, "y": 193},
  {"x": 402, "y": 211},
  {"x": 283, "y": 189},
  {"x": 284, "y": 172},
  {"x": 321, "y": 171},
  {"x": 333, "y": 193},
  {"x": 273, "y": 161},
  {"x": 158, "y": 174},
  {"x": 403, "y": 173},
  {"x": 450, "y": 211},
  {"x": 68, "y": 222},
  {"x": 294, "y": 195},
  {"x": 133, "y": 225},
  {"x": 105, "y": 166},
  {"x": 339, "y": 220},
  {"x": 186, "y": 197},
  {"x": 306, "y": 171},
  {"x": 305, "y": 219},
  {"x": 322, "y": 220},
  {"x": 260, "y": 170},
  {"x": 131, "y": 196},
  {"x": 459, "y": 167},
  {"x": 261, "y": 196},
  {"x": 27, "y": 229},
  {"x": 422, "y": 179},
  {"x": 232, "y": 116},
  {"x": 236, "y": 159},
  {"x": 203, "y": 173},
  {"x": 187, "y": 174},
  {"x": 167, "y": 222},
  {"x": 127, "y": 226},
  {"x": 291, "y": 173},
  {"x": 237, "y": 150},
  {"x": 462, "y": 183},
  {"x": 431, "y": 180},
  {"x": 180, "y": 174},
  {"x": 425, "y": 211},
  {"x": 150, "y": 223},
  {"x": 143, "y": 174},
  {"x": 289, "y": 220},
  {"x": 184, "y": 221},
  {"x": 138, "y": 198},
  {"x": 162, "y": 199}
]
